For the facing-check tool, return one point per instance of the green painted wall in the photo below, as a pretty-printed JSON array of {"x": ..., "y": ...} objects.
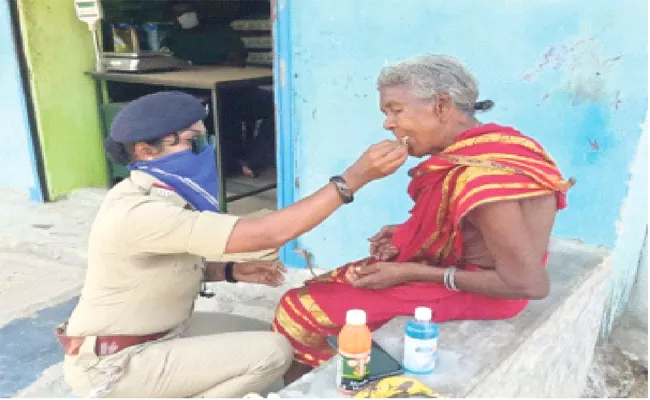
[{"x": 59, "y": 50}]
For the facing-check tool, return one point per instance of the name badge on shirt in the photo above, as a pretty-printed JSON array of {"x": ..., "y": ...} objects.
[{"x": 162, "y": 190}]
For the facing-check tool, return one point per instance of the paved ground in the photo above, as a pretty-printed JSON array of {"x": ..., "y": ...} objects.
[
  {"x": 42, "y": 266},
  {"x": 42, "y": 263}
]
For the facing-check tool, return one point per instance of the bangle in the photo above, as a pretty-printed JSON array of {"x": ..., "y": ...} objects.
[
  {"x": 228, "y": 272},
  {"x": 449, "y": 279},
  {"x": 343, "y": 188},
  {"x": 445, "y": 278},
  {"x": 452, "y": 279}
]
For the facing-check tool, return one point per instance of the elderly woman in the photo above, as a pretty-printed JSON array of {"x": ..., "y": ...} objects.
[
  {"x": 134, "y": 333},
  {"x": 475, "y": 244}
]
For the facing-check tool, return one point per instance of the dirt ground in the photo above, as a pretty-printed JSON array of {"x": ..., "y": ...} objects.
[{"x": 615, "y": 373}]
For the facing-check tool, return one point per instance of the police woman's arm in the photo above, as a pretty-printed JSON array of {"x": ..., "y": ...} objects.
[
  {"x": 275, "y": 229},
  {"x": 269, "y": 273}
]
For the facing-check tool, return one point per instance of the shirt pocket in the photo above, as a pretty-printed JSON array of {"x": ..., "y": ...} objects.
[{"x": 179, "y": 276}]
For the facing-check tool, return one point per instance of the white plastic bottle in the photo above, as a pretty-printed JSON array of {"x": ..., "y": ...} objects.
[{"x": 421, "y": 343}]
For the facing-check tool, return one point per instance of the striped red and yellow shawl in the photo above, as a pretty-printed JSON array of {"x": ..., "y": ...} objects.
[{"x": 486, "y": 164}]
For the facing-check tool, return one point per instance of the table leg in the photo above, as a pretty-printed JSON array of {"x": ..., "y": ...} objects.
[
  {"x": 102, "y": 98},
  {"x": 216, "y": 113}
]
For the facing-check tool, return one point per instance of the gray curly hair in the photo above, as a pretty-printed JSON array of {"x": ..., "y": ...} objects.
[{"x": 431, "y": 74}]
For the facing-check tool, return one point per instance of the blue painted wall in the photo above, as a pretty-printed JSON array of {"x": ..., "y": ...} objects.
[
  {"x": 630, "y": 264},
  {"x": 283, "y": 91},
  {"x": 559, "y": 71},
  {"x": 16, "y": 152}
]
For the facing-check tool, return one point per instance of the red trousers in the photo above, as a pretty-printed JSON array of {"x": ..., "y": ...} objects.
[{"x": 307, "y": 315}]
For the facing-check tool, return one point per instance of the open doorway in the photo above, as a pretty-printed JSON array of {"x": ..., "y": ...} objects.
[{"x": 207, "y": 37}]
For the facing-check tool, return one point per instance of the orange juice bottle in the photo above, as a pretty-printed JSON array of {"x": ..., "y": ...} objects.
[{"x": 354, "y": 344}]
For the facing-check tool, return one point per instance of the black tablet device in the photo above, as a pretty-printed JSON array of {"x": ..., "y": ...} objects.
[{"x": 381, "y": 363}]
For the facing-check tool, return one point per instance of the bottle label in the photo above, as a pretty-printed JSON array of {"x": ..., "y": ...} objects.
[
  {"x": 352, "y": 371},
  {"x": 420, "y": 355}
]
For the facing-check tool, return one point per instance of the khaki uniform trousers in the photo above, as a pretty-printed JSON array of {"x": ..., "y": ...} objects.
[{"x": 217, "y": 355}]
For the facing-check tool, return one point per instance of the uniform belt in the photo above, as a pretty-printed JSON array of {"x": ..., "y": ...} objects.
[{"x": 105, "y": 345}]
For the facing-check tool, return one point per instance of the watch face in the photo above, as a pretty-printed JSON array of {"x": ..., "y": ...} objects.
[{"x": 343, "y": 189}]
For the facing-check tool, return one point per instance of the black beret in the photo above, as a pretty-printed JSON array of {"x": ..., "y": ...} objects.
[{"x": 156, "y": 115}]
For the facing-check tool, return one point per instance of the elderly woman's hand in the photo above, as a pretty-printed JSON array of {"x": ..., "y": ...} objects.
[
  {"x": 381, "y": 159},
  {"x": 379, "y": 275},
  {"x": 262, "y": 272}
]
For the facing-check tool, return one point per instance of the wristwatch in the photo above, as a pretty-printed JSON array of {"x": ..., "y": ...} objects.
[
  {"x": 343, "y": 188},
  {"x": 230, "y": 277}
]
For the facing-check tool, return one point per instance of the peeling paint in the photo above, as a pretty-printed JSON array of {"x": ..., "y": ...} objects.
[
  {"x": 555, "y": 57},
  {"x": 586, "y": 70}
]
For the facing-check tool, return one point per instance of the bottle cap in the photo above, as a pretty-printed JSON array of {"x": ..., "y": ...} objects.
[
  {"x": 355, "y": 317},
  {"x": 423, "y": 313}
]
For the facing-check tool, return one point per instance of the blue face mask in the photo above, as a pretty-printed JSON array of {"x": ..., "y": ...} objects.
[{"x": 192, "y": 174}]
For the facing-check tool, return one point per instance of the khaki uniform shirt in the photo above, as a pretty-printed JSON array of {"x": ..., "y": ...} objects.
[{"x": 145, "y": 260}]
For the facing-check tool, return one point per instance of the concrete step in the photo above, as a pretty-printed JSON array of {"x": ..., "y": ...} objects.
[{"x": 546, "y": 351}]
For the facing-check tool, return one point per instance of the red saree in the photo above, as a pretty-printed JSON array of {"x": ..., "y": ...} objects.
[{"x": 486, "y": 164}]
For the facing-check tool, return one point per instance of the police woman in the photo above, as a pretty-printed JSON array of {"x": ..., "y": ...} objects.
[{"x": 133, "y": 333}]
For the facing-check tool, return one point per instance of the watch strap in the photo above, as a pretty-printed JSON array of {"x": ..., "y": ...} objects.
[{"x": 228, "y": 272}]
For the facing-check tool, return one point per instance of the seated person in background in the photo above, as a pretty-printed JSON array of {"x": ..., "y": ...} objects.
[
  {"x": 202, "y": 44},
  {"x": 248, "y": 128},
  {"x": 475, "y": 245}
]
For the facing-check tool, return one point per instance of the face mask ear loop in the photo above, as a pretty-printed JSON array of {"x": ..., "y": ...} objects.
[
  {"x": 195, "y": 145},
  {"x": 177, "y": 138},
  {"x": 199, "y": 143}
]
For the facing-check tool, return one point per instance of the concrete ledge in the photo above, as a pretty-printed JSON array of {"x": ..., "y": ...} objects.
[{"x": 544, "y": 352}]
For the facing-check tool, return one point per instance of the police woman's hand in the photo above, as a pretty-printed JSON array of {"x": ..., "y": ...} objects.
[
  {"x": 380, "y": 244},
  {"x": 381, "y": 159},
  {"x": 270, "y": 273},
  {"x": 275, "y": 229}
]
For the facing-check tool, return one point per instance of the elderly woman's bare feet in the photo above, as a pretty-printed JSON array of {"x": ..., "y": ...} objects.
[{"x": 295, "y": 371}]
